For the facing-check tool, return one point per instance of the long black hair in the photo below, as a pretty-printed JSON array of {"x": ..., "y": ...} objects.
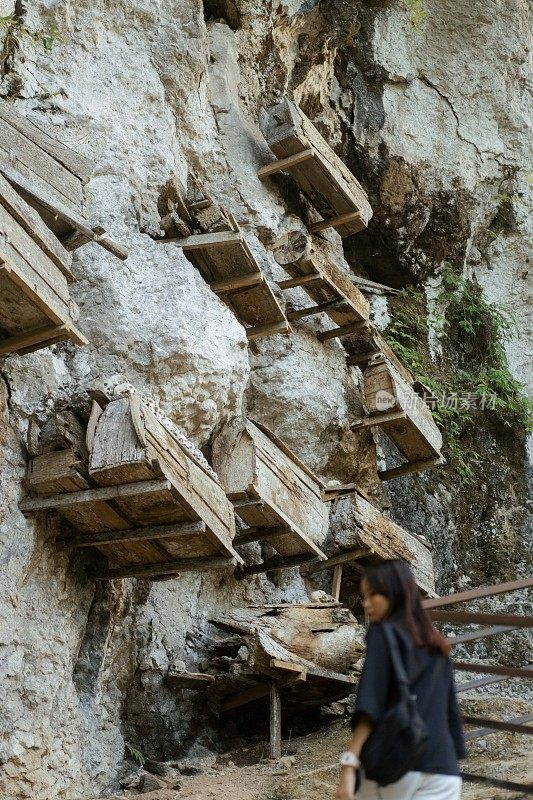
[{"x": 395, "y": 581}]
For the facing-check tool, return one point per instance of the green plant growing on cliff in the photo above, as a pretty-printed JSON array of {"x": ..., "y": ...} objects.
[
  {"x": 135, "y": 754},
  {"x": 417, "y": 11},
  {"x": 472, "y": 380}
]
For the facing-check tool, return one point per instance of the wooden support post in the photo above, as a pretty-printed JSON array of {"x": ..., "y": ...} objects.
[
  {"x": 200, "y": 564},
  {"x": 259, "y": 331},
  {"x": 411, "y": 466},
  {"x": 479, "y": 592},
  {"x": 260, "y": 535},
  {"x": 200, "y": 241},
  {"x": 342, "y": 558},
  {"x": 284, "y": 164},
  {"x": 467, "y": 617},
  {"x": 300, "y": 280},
  {"x": 313, "y": 310},
  {"x": 335, "y": 222},
  {"x": 232, "y": 284},
  {"x": 342, "y": 330},
  {"x": 275, "y": 721},
  {"x": 337, "y": 580}
]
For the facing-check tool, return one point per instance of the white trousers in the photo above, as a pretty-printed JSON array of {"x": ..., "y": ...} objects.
[{"x": 413, "y": 786}]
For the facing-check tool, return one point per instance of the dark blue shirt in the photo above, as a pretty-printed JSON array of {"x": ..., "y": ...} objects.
[{"x": 431, "y": 680}]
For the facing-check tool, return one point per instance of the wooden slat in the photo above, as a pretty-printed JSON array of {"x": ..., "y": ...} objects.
[
  {"x": 44, "y": 336},
  {"x": 479, "y": 592},
  {"x": 202, "y": 564},
  {"x": 133, "y": 535},
  {"x": 342, "y": 558},
  {"x": 378, "y": 419},
  {"x": 483, "y": 633},
  {"x": 411, "y": 466},
  {"x": 201, "y": 241},
  {"x": 509, "y": 786},
  {"x": 231, "y": 284},
  {"x": 470, "y": 735},
  {"x": 494, "y": 669},
  {"x": 299, "y": 280},
  {"x": 284, "y": 164},
  {"x": 260, "y": 331},
  {"x": 481, "y": 618},
  {"x": 301, "y": 313},
  {"x": 32, "y": 223},
  {"x": 190, "y": 680},
  {"x": 477, "y": 683},
  {"x": 273, "y": 564},
  {"x": 337, "y": 581},
  {"x": 93, "y": 495},
  {"x": 260, "y": 535},
  {"x": 498, "y": 725},
  {"x": 336, "y": 222},
  {"x": 342, "y": 330}
]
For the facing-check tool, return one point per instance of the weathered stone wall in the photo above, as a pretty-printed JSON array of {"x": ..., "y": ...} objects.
[{"x": 432, "y": 118}]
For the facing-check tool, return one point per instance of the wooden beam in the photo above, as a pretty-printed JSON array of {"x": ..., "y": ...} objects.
[
  {"x": 509, "y": 786},
  {"x": 258, "y": 331},
  {"x": 231, "y": 284},
  {"x": 342, "y": 330},
  {"x": 337, "y": 581},
  {"x": 300, "y": 280},
  {"x": 481, "y": 618},
  {"x": 273, "y": 564},
  {"x": 411, "y": 466},
  {"x": 284, "y": 164},
  {"x": 477, "y": 594},
  {"x": 360, "y": 358},
  {"x": 469, "y": 735},
  {"x": 200, "y": 564},
  {"x": 260, "y": 534},
  {"x": 497, "y": 725},
  {"x": 189, "y": 680},
  {"x": 200, "y": 241},
  {"x": 482, "y": 633},
  {"x": 36, "y": 336},
  {"x": 313, "y": 310},
  {"x": 342, "y": 558},
  {"x": 275, "y": 721},
  {"x": 246, "y": 696},
  {"x": 377, "y": 419},
  {"x": 478, "y": 683},
  {"x": 289, "y": 666},
  {"x": 494, "y": 669},
  {"x": 132, "y": 535},
  {"x": 335, "y": 222},
  {"x": 343, "y": 490},
  {"x": 93, "y": 495},
  {"x": 362, "y": 282}
]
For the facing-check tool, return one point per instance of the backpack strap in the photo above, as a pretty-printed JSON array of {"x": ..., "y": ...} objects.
[{"x": 397, "y": 663}]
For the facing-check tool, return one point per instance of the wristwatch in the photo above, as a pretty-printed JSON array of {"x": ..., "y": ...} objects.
[{"x": 349, "y": 759}]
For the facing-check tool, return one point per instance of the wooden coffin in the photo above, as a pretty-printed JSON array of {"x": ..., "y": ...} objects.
[
  {"x": 332, "y": 292},
  {"x": 321, "y": 175},
  {"x": 367, "y": 536},
  {"x": 50, "y": 177},
  {"x": 400, "y": 412},
  {"x": 229, "y": 267},
  {"x": 274, "y": 493},
  {"x": 157, "y": 512},
  {"x": 36, "y": 309}
]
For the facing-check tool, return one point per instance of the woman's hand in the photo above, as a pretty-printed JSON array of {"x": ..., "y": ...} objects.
[{"x": 346, "y": 787}]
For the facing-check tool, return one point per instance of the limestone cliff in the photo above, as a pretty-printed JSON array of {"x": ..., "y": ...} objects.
[{"x": 427, "y": 103}]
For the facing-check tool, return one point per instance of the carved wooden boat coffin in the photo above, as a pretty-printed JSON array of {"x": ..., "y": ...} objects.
[
  {"x": 400, "y": 412},
  {"x": 36, "y": 309},
  {"x": 272, "y": 489}
]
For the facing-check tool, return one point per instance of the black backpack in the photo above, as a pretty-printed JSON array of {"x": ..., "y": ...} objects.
[{"x": 398, "y": 738}]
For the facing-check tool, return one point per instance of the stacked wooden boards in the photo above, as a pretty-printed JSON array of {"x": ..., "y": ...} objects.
[
  {"x": 400, "y": 412},
  {"x": 320, "y": 174},
  {"x": 36, "y": 309},
  {"x": 50, "y": 177},
  {"x": 212, "y": 240},
  {"x": 274, "y": 494},
  {"x": 157, "y": 511}
]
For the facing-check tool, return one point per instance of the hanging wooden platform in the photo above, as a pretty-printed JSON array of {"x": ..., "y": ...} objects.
[
  {"x": 332, "y": 292},
  {"x": 320, "y": 174},
  {"x": 221, "y": 254},
  {"x": 368, "y": 536},
  {"x": 156, "y": 511},
  {"x": 401, "y": 414},
  {"x": 50, "y": 177},
  {"x": 274, "y": 494},
  {"x": 36, "y": 309}
]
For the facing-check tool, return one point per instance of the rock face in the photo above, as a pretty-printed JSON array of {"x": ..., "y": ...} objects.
[{"x": 429, "y": 111}]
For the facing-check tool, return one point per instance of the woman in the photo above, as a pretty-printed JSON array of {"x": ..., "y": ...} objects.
[{"x": 390, "y": 593}]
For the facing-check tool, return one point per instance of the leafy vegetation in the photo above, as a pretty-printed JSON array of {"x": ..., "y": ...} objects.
[
  {"x": 135, "y": 754},
  {"x": 472, "y": 380},
  {"x": 417, "y": 11}
]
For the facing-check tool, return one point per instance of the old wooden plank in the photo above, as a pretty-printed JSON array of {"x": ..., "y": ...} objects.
[
  {"x": 478, "y": 683},
  {"x": 132, "y": 535},
  {"x": 494, "y": 669},
  {"x": 480, "y": 633},
  {"x": 481, "y": 618},
  {"x": 260, "y": 535},
  {"x": 93, "y": 495},
  {"x": 231, "y": 284},
  {"x": 59, "y": 209},
  {"x": 203, "y": 564},
  {"x": 202, "y": 241},
  {"x": 284, "y": 164},
  {"x": 189, "y": 680},
  {"x": 341, "y": 330},
  {"x": 336, "y": 222},
  {"x": 476, "y": 734},
  {"x": 35, "y": 289},
  {"x": 43, "y": 337},
  {"x": 479, "y": 593},
  {"x": 301, "y": 313},
  {"x": 260, "y": 331},
  {"x": 377, "y": 420},
  {"x": 498, "y": 725},
  {"x": 300, "y": 280},
  {"x": 333, "y": 561},
  {"x": 74, "y": 162},
  {"x": 274, "y": 564},
  {"x": 337, "y": 581},
  {"x": 409, "y": 467},
  {"x": 32, "y": 223},
  {"x": 275, "y": 721}
]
